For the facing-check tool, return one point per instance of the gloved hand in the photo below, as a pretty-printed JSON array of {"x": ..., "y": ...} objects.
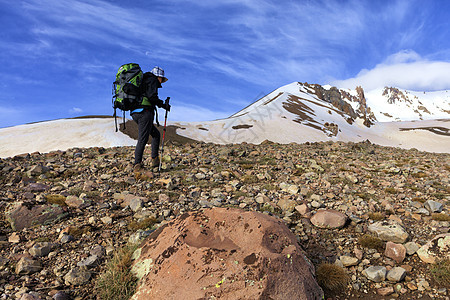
[{"x": 166, "y": 106}]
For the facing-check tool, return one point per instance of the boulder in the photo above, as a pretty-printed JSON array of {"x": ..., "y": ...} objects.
[
  {"x": 389, "y": 231},
  {"x": 437, "y": 248},
  {"x": 329, "y": 219},
  {"x": 224, "y": 253},
  {"x": 22, "y": 215},
  {"x": 28, "y": 266},
  {"x": 395, "y": 251}
]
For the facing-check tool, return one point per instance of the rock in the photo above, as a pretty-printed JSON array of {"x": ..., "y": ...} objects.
[
  {"x": 375, "y": 273},
  {"x": 261, "y": 199},
  {"x": 348, "y": 261},
  {"x": 411, "y": 248},
  {"x": 438, "y": 247},
  {"x": 74, "y": 201},
  {"x": 60, "y": 295},
  {"x": 224, "y": 253},
  {"x": 27, "y": 266},
  {"x": 77, "y": 276},
  {"x": 90, "y": 261},
  {"x": 136, "y": 204},
  {"x": 286, "y": 204},
  {"x": 66, "y": 238},
  {"x": 20, "y": 216},
  {"x": 27, "y": 296},
  {"x": 395, "y": 251},
  {"x": 37, "y": 170},
  {"x": 37, "y": 187},
  {"x": 40, "y": 249},
  {"x": 433, "y": 206},
  {"x": 396, "y": 274},
  {"x": 389, "y": 231},
  {"x": 106, "y": 220},
  {"x": 138, "y": 236},
  {"x": 302, "y": 209},
  {"x": 386, "y": 291},
  {"x": 14, "y": 238},
  {"x": 329, "y": 219}
]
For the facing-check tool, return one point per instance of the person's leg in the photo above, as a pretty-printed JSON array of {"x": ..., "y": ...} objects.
[
  {"x": 145, "y": 122},
  {"x": 156, "y": 136}
]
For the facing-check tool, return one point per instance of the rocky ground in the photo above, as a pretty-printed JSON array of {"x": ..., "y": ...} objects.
[{"x": 369, "y": 209}]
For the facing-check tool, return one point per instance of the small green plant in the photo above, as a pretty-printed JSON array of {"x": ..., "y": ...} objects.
[
  {"x": 142, "y": 224},
  {"x": 117, "y": 282},
  {"x": 441, "y": 272},
  {"x": 371, "y": 242},
  {"x": 56, "y": 199},
  {"x": 331, "y": 277}
]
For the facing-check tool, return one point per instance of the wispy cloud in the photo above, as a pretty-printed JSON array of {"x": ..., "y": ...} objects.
[
  {"x": 405, "y": 69},
  {"x": 75, "y": 110}
]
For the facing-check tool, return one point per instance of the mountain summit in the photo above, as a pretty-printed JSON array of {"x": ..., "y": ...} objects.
[{"x": 302, "y": 112}]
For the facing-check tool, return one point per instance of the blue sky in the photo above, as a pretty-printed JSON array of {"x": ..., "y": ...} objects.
[{"x": 59, "y": 57}]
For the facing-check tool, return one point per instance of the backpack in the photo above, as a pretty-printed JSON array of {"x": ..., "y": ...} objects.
[{"x": 127, "y": 89}]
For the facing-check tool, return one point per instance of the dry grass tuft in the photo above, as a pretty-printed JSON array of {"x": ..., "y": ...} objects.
[
  {"x": 142, "y": 224},
  {"x": 56, "y": 199},
  {"x": 331, "y": 277},
  {"x": 117, "y": 282},
  {"x": 371, "y": 242},
  {"x": 376, "y": 216},
  {"x": 441, "y": 272},
  {"x": 440, "y": 217}
]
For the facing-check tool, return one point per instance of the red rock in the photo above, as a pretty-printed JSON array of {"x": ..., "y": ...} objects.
[
  {"x": 329, "y": 219},
  {"x": 395, "y": 251},
  {"x": 386, "y": 291},
  {"x": 224, "y": 253}
]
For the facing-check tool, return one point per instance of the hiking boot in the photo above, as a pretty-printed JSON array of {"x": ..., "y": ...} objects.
[
  {"x": 138, "y": 167},
  {"x": 155, "y": 162}
]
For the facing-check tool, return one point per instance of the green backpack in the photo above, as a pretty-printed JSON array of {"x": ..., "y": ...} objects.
[{"x": 127, "y": 89}]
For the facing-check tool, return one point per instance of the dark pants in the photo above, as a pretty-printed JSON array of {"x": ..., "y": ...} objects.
[{"x": 144, "y": 120}]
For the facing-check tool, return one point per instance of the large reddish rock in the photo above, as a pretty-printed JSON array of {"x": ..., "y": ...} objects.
[
  {"x": 224, "y": 253},
  {"x": 328, "y": 218}
]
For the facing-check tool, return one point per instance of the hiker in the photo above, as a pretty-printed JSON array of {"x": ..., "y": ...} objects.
[{"x": 145, "y": 113}]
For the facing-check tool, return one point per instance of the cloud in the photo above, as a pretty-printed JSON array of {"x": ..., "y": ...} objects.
[
  {"x": 75, "y": 110},
  {"x": 405, "y": 69}
]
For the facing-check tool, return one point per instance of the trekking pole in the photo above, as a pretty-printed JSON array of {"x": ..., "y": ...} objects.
[{"x": 166, "y": 102}]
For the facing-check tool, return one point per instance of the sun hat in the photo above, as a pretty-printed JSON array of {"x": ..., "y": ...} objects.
[{"x": 157, "y": 71}]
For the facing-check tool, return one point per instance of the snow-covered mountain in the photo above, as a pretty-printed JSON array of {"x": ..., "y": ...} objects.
[
  {"x": 302, "y": 112},
  {"x": 61, "y": 135},
  {"x": 297, "y": 112}
]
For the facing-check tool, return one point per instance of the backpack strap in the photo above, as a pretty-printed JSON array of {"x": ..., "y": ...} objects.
[
  {"x": 124, "y": 120},
  {"x": 115, "y": 118}
]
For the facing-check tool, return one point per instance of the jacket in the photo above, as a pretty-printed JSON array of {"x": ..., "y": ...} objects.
[{"x": 150, "y": 85}]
